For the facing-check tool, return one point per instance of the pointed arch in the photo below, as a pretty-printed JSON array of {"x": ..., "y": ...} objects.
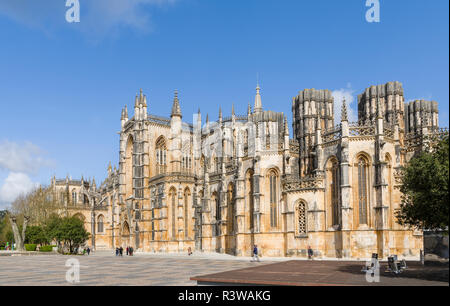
[
  {"x": 249, "y": 201},
  {"x": 273, "y": 180},
  {"x": 333, "y": 191},
  {"x": 187, "y": 201},
  {"x": 100, "y": 224},
  {"x": 161, "y": 155},
  {"x": 363, "y": 183},
  {"x": 173, "y": 214}
]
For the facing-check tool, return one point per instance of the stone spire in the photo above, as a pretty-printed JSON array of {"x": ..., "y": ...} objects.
[
  {"x": 176, "y": 110},
  {"x": 220, "y": 114},
  {"x": 232, "y": 110},
  {"x": 144, "y": 100},
  {"x": 136, "y": 102},
  {"x": 141, "y": 96},
  {"x": 249, "y": 110},
  {"x": 126, "y": 112},
  {"x": 344, "y": 113},
  {"x": 258, "y": 104}
]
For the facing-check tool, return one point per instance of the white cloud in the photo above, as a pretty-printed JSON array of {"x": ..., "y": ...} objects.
[
  {"x": 24, "y": 158},
  {"x": 339, "y": 95},
  {"x": 98, "y": 17},
  {"x": 13, "y": 186}
]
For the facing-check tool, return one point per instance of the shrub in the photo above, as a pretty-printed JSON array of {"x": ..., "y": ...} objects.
[
  {"x": 47, "y": 248},
  {"x": 30, "y": 247}
]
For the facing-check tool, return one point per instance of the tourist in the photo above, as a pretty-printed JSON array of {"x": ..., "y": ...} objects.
[
  {"x": 255, "y": 253},
  {"x": 189, "y": 251},
  {"x": 121, "y": 251},
  {"x": 310, "y": 252},
  {"x": 131, "y": 251},
  {"x": 88, "y": 251},
  {"x": 128, "y": 251},
  {"x": 117, "y": 251}
]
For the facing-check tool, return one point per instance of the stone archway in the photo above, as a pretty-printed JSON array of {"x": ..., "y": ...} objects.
[{"x": 126, "y": 237}]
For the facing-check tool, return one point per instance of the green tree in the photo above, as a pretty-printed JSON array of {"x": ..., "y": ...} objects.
[
  {"x": 68, "y": 232},
  {"x": 36, "y": 234},
  {"x": 425, "y": 202}
]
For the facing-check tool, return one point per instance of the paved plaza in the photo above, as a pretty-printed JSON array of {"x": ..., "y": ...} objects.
[{"x": 103, "y": 269}]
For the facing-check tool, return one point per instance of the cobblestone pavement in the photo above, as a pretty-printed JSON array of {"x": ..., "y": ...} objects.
[{"x": 104, "y": 269}]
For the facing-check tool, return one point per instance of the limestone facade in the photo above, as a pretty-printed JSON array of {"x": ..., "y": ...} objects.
[{"x": 241, "y": 180}]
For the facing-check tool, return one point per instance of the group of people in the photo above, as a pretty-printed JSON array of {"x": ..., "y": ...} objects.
[{"x": 129, "y": 251}]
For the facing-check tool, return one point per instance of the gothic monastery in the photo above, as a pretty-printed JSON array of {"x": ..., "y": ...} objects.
[{"x": 222, "y": 186}]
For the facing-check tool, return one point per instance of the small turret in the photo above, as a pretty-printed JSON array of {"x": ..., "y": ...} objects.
[{"x": 258, "y": 103}]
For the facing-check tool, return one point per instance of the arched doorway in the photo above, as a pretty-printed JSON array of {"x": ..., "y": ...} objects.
[{"x": 126, "y": 239}]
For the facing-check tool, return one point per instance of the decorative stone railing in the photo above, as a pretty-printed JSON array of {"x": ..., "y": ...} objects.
[
  {"x": 362, "y": 130},
  {"x": 332, "y": 134}
]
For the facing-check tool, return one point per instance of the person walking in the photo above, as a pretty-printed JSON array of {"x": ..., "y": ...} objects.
[
  {"x": 310, "y": 252},
  {"x": 189, "y": 251},
  {"x": 255, "y": 253},
  {"x": 117, "y": 251},
  {"x": 121, "y": 251},
  {"x": 131, "y": 251},
  {"x": 128, "y": 250},
  {"x": 88, "y": 251}
]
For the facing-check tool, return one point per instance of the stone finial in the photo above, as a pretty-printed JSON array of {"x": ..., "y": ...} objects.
[
  {"x": 109, "y": 167},
  {"x": 344, "y": 112},
  {"x": 220, "y": 114},
  {"x": 136, "y": 101},
  {"x": 126, "y": 112},
  {"x": 232, "y": 109},
  {"x": 249, "y": 109},
  {"x": 144, "y": 101},
  {"x": 176, "y": 109}
]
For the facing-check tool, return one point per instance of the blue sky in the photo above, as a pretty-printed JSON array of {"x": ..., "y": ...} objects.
[{"x": 62, "y": 86}]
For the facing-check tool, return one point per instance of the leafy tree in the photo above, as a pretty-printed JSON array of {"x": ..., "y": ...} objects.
[
  {"x": 36, "y": 234},
  {"x": 68, "y": 232},
  {"x": 425, "y": 202}
]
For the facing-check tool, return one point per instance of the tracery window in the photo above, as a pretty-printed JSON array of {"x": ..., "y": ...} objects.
[
  {"x": 301, "y": 219},
  {"x": 273, "y": 198},
  {"x": 362, "y": 189},
  {"x": 74, "y": 197},
  {"x": 187, "y": 195},
  {"x": 161, "y": 156},
  {"x": 335, "y": 199}
]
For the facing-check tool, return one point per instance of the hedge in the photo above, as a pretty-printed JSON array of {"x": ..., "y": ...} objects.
[
  {"x": 47, "y": 248},
  {"x": 30, "y": 247}
]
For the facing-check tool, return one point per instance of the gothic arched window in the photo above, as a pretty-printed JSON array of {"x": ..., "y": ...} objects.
[
  {"x": 187, "y": 195},
  {"x": 335, "y": 178},
  {"x": 173, "y": 196},
  {"x": 100, "y": 224},
  {"x": 273, "y": 179},
  {"x": 161, "y": 156},
  {"x": 74, "y": 197},
  {"x": 363, "y": 189}
]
